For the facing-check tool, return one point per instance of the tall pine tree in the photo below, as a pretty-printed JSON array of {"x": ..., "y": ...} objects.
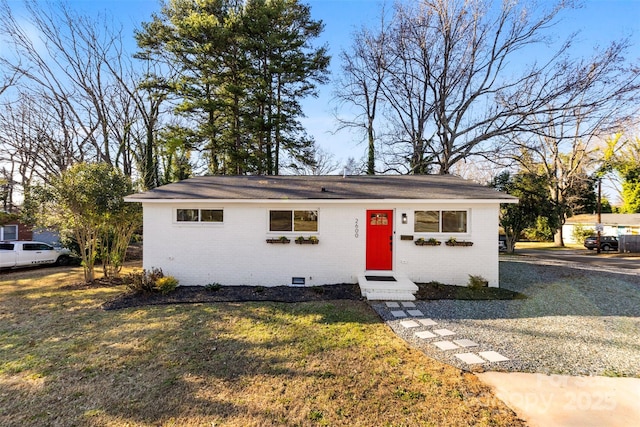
[{"x": 241, "y": 69}]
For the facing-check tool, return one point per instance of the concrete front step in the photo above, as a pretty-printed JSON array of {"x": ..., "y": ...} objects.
[
  {"x": 402, "y": 289},
  {"x": 385, "y": 296}
]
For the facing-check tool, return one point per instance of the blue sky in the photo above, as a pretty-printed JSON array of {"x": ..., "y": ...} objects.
[{"x": 599, "y": 22}]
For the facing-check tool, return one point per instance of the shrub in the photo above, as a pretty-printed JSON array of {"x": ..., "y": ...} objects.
[
  {"x": 143, "y": 281},
  {"x": 542, "y": 232},
  {"x": 213, "y": 287},
  {"x": 580, "y": 233},
  {"x": 166, "y": 284},
  {"x": 477, "y": 282}
]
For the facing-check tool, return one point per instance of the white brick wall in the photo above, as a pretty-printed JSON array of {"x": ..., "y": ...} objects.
[{"x": 236, "y": 252}]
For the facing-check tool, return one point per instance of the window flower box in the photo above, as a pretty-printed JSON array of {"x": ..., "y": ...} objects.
[
  {"x": 313, "y": 240},
  {"x": 282, "y": 240},
  {"x": 453, "y": 242},
  {"x": 429, "y": 242}
]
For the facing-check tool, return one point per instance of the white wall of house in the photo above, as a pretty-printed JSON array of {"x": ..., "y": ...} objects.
[{"x": 235, "y": 252}]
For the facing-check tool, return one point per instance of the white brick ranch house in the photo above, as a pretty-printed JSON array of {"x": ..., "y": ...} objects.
[{"x": 318, "y": 230}]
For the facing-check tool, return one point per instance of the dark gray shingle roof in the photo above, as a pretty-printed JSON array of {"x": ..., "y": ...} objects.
[{"x": 322, "y": 187}]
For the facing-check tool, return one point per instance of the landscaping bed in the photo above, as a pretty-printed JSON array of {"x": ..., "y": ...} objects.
[{"x": 291, "y": 294}]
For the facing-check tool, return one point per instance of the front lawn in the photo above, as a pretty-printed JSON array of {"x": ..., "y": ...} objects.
[{"x": 66, "y": 361}]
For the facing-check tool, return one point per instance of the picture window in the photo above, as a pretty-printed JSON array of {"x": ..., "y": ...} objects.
[
  {"x": 297, "y": 220},
  {"x": 440, "y": 221}
]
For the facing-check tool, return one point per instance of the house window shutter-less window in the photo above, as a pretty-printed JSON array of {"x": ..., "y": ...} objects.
[
  {"x": 305, "y": 220},
  {"x": 211, "y": 215},
  {"x": 427, "y": 221},
  {"x": 440, "y": 221},
  {"x": 301, "y": 220},
  {"x": 280, "y": 221},
  {"x": 187, "y": 215},
  {"x": 9, "y": 232},
  {"x": 199, "y": 215},
  {"x": 454, "y": 221}
]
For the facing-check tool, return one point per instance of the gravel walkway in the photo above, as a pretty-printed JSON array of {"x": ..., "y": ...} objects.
[{"x": 576, "y": 321}]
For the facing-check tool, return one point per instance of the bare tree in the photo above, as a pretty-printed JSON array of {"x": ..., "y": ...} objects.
[
  {"x": 407, "y": 92},
  {"x": 323, "y": 164},
  {"x": 360, "y": 86},
  {"x": 66, "y": 65},
  {"x": 31, "y": 141},
  {"x": 451, "y": 88},
  {"x": 590, "y": 100}
]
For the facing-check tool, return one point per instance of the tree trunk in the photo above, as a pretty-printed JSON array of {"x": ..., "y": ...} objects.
[
  {"x": 558, "y": 239},
  {"x": 511, "y": 242},
  {"x": 371, "y": 161}
]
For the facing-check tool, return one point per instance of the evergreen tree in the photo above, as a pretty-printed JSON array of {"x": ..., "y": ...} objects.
[{"x": 242, "y": 68}]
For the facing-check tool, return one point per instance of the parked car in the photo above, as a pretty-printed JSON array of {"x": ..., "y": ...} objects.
[
  {"x": 502, "y": 243},
  {"x": 29, "y": 253},
  {"x": 607, "y": 243}
]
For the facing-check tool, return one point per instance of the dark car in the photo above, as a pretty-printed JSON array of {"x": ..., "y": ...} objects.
[{"x": 607, "y": 243}]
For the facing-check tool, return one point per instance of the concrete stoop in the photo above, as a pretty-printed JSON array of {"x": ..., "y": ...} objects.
[{"x": 402, "y": 289}]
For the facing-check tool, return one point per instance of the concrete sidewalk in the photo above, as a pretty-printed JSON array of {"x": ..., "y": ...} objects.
[{"x": 560, "y": 400}]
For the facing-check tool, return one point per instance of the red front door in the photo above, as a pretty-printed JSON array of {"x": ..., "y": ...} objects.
[{"x": 379, "y": 240}]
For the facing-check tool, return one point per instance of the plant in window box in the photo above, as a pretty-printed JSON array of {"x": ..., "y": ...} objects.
[
  {"x": 453, "y": 242},
  {"x": 428, "y": 242},
  {"x": 281, "y": 239},
  {"x": 312, "y": 240}
]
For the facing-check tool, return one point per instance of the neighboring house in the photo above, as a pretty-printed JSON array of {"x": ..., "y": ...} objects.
[
  {"x": 15, "y": 230},
  {"x": 612, "y": 225},
  {"x": 230, "y": 229}
]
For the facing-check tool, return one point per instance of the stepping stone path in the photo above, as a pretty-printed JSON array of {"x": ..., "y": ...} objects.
[
  {"x": 416, "y": 319},
  {"x": 425, "y": 334},
  {"x": 445, "y": 345}
]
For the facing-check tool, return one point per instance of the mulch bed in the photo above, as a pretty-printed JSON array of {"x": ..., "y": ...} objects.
[
  {"x": 201, "y": 294},
  {"x": 289, "y": 294},
  {"x": 436, "y": 291}
]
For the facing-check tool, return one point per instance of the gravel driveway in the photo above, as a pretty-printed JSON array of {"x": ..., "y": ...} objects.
[{"x": 576, "y": 321}]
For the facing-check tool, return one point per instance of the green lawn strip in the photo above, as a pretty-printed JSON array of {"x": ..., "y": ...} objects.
[{"x": 65, "y": 361}]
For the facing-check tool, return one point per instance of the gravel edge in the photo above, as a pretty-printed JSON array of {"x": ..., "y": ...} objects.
[{"x": 576, "y": 321}]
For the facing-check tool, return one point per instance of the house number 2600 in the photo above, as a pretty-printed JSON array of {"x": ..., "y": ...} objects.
[{"x": 356, "y": 232}]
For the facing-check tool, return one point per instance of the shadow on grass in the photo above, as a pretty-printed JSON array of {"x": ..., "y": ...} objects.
[
  {"x": 65, "y": 361},
  {"x": 219, "y": 360}
]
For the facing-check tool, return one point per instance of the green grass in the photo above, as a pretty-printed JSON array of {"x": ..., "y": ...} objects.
[
  {"x": 549, "y": 246},
  {"x": 65, "y": 361}
]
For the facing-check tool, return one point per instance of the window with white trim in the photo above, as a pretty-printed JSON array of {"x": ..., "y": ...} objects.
[
  {"x": 293, "y": 220},
  {"x": 199, "y": 215},
  {"x": 440, "y": 221},
  {"x": 9, "y": 232}
]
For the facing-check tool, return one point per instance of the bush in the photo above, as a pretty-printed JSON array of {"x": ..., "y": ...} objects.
[
  {"x": 143, "y": 281},
  {"x": 166, "y": 284},
  {"x": 542, "y": 232},
  {"x": 213, "y": 287},
  {"x": 477, "y": 282},
  {"x": 580, "y": 233}
]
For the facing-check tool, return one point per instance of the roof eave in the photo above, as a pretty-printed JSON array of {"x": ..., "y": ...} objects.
[{"x": 323, "y": 201}]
